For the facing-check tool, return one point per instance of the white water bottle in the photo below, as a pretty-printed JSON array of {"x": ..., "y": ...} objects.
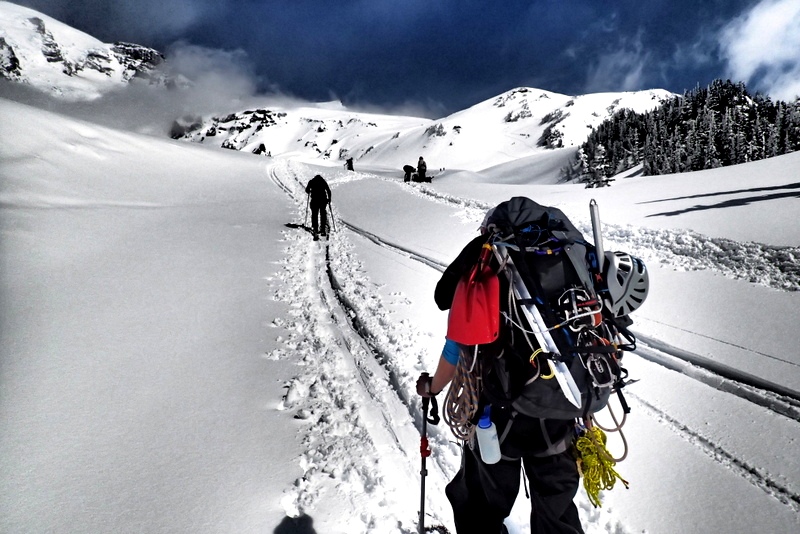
[{"x": 488, "y": 443}]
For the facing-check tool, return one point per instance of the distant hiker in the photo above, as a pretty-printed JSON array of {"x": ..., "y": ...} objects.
[
  {"x": 348, "y": 164},
  {"x": 319, "y": 197},
  {"x": 527, "y": 272},
  {"x": 408, "y": 169},
  {"x": 422, "y": 168}
]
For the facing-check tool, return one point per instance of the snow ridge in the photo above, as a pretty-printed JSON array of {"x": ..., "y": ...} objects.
[{"x": 772, "y": 266}]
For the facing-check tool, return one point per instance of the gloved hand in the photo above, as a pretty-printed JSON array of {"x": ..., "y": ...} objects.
[{"x": 424, "y": 385}]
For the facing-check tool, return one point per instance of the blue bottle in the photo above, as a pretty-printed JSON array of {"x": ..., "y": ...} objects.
[{"x": 488, "y": 444}]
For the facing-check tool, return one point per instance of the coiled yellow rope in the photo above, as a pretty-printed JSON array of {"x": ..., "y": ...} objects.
[{"x": 596, "y": 464}]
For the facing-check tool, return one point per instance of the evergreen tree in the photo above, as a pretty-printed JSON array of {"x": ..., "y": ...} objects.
[{"x": 705, "y": 128}]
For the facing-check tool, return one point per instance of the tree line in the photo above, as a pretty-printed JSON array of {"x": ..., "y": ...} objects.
[{"x": 720, "y": 125}]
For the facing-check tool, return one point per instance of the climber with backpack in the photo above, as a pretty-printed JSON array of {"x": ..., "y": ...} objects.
[
  {"x": 319, "y": 198},
  {"x": 537, "y": 325}
]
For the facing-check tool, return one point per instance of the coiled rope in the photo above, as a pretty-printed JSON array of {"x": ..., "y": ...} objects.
[
  {"x": 596, "y": 465},
  {"x": 617, "y": 428},
  {"x": 462, "y": 398}
]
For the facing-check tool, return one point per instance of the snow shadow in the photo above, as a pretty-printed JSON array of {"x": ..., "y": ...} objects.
[
  {"x": 302, "y": 524},
  {"x": 795, "y": 185},
  {"x": 735, "y": 202}
]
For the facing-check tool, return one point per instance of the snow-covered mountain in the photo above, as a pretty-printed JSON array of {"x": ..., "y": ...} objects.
[
  {"x": 520, "y": 123},
  {"x": 55, "y": 58}
]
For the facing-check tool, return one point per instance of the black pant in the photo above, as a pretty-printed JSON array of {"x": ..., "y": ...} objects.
[
  {"x": 483, "y": 495},
  {"x": 318, "y": 210}
]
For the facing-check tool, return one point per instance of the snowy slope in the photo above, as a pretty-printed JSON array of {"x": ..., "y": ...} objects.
[
  {"x": 53, "y": 57},
  {"x": 175, "y": 359},
  {"x": 521, "y": 123}
]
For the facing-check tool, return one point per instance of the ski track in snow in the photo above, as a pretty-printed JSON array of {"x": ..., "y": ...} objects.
[
  {"x": 326, "y": 401},
  {"x": 374, "y": 338},
  {"x": 751, "y": 473},
  {"x": 339, "y": 326},
  {"x": 771, "y": 266}
]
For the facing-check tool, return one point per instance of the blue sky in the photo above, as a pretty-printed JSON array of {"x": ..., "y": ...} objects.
[{"x": 439, "y": 56}]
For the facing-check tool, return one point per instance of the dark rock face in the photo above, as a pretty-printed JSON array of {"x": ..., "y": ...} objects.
[
  {"x": 50, "y": 48},
  {"x": 9, "y": 64},
  {"x": 185, "y": 126},
  {"x": 138, "y": 61}
]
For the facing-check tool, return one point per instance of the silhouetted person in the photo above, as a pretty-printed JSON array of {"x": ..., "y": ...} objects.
[
  {"x": 408, "y": 169},
  {"x": 296, "y": 525},
  {"x": 319, "y": 198},
  {"x": 422, "y": 168},
  {"x": 348, "y": 164}
]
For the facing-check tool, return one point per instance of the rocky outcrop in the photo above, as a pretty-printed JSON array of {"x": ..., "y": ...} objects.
[
  {"x": 9, "y": 64},
  {"x": 44, "y": 53},
  {"x": 137, "y": 60}
]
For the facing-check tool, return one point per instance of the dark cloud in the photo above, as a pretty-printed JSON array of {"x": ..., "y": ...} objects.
[
  {"x": 139, "y": 21},
  {"x": 438, "y": 56}
]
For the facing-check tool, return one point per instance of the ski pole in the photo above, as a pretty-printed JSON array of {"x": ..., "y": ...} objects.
[
  {"x": 333, "y": 221},
  {"x": 425, "y": 451},
  {"x": 308, "y": 200}
]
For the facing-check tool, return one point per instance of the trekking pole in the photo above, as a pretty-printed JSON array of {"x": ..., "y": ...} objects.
[
  {"x": 425, "y": 451},
  {"x": 333, "y": 221}
]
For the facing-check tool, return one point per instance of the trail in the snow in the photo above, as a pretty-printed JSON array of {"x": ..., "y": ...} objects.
[
  {"x": 339, "y": 320},
  {"x": 334, "y": 401},
  {"x": 774, "y": 397},
  {"x": 752, "y": 473}
]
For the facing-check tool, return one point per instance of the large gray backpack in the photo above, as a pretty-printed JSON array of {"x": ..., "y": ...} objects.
[{"x": 564, "y": 324}]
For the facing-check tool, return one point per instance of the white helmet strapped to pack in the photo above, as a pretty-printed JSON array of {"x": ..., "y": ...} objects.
[{"x": 627, "y": 280}]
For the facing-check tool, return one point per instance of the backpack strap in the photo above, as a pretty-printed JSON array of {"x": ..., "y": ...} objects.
[{"x": 553, "y": 448}]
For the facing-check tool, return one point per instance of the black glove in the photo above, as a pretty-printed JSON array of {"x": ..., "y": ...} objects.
[{"x": 424, "y": 385}]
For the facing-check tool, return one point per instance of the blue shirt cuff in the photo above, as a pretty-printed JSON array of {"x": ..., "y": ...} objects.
[{"x": 451, "y": 352}]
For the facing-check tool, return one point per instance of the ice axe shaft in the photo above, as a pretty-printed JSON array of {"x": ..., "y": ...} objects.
[{"x": 597, "y": 232}]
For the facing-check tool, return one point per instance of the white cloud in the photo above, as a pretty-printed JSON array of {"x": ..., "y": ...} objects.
[
  {"x": 763, "y": 47},
  {"x": 621, "y": 70},
  {"x": 226, "y": 74}
]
